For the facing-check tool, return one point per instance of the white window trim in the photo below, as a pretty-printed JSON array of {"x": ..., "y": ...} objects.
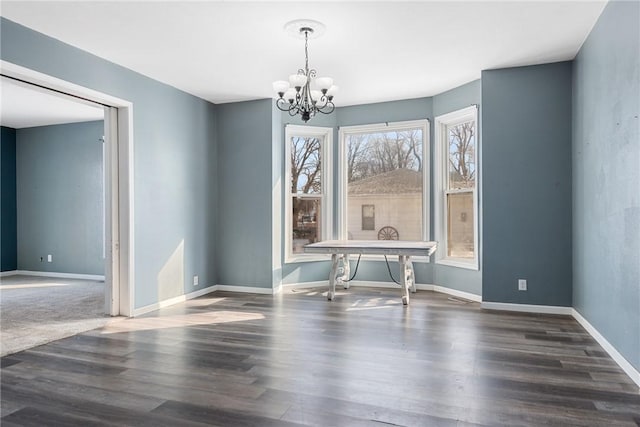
[
  {"x": 326, "y": 157},
  {"x": 440, "y": 181},
  {"x": 345, "y": 131}
]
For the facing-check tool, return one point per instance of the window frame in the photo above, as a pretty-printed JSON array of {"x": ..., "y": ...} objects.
[
  {"x": 326, "y": 159},
  {"x": 343, "y": 133},
  {"x": 441, "y": 190}
]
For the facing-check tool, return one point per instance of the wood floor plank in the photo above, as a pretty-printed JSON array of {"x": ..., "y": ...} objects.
[
  {"x": 297, "y": 359},
  {"x": 217, "y": 416}
]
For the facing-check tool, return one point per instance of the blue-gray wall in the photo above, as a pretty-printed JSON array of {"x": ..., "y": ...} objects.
[
  {"x": 174, "y": 160},
  {"x": 60, "y": 199},
  {"x": 606, "y": 178},
  {"x": 244, "y": 198},
  {"x": 526, "y": 184},
  {"x": 8, "y": 212}
]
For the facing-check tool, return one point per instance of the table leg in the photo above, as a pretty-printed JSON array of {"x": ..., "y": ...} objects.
[
  {"x": 411, "y": 277},
  {"x": 402, "y": 262},
  {"x": 335, "y": 258},
  {"x": 346, "y": 271}
]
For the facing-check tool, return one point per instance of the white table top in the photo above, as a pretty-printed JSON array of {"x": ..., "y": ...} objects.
[{"x": 373, "y": 247}]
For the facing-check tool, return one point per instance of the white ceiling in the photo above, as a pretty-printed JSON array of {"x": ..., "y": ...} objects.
[
  {"x": 226, "y": 51},
  {"x": 24, "y": 106}
]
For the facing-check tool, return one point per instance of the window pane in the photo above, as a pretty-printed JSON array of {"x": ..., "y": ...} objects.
[
  {"x": 462, "y": 147},
  {"x": 306, "y": 222},
  {"x": 460, "y": 225},
  {"x": 368, "y": 217},
  {"x": 384, "y": 170},
  {"x": 306, "y": 171}
]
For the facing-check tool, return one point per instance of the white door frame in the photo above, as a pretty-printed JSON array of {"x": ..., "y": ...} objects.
[{"x": 118, "y": 118}]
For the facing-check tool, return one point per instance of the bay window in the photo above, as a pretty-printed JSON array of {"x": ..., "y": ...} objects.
[
  {"x": 384, "y": 181},
  {"x": 308, "y": 187},
  {"x": 456, "y": 199}
]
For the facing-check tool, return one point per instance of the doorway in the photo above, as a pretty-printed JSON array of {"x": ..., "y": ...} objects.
[{"x": 118, "y": 180}]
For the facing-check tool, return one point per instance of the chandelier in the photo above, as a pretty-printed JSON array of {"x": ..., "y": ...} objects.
[{"x": 304, "y": 93}]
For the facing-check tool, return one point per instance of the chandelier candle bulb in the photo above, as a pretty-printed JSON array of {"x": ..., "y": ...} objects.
[
  {"x": 290, "y": 95},
  {"x": 324, "y": 83},
  {"x": 297, "y": 96},
  {"x": 280, "y": 87},
  {"x": 297, "y": 81}
]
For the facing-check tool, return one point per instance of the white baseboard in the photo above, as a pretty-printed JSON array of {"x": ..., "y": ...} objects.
[
  {"x": 246, "y": 289},
  {"x": 52, "y": 274},
  {"x": 303, "y": 285},
  {"x": 606, "y": 345},
  {"x": 171, "y": 301},
  {"x": 454, "y": 292},
  {"x": 527, "y": 308},
  {"x": 365, "y": 283},
  {"x": 389, "y": 285},
  {"x": 8, "y": 273},
  {"x": 195, "y": 294}
]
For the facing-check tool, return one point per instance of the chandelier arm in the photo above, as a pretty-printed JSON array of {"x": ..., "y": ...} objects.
[
  {"x": 322, "y": 102},
  {"x": 331, "y": 105},
  {"x": 283, "y": 105}
]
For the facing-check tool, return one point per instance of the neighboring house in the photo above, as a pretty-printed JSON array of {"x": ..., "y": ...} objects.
[{"x": 389, "y": 204}]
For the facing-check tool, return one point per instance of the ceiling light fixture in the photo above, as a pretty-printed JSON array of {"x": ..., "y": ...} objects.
[{"x": 304, "y": 93}]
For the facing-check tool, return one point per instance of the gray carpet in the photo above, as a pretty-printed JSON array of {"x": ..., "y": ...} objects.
[{"x": 38, "y": 310}]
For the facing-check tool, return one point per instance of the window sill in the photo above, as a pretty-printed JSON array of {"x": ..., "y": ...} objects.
[
  {"x": 459, "y": 263},
  {"x": 301, "y": 258}
]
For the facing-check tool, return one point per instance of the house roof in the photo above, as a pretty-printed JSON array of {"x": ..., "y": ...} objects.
[{"x": 397, "y": 181}]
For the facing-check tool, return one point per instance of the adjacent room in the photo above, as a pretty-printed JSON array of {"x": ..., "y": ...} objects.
[
  {"x": 53, "y": 216},
  {"x": 338, "y": 213}
]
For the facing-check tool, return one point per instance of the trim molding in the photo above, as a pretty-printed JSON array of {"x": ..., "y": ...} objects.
[
  {"x": 302, "y": 285},
  {"x": 245, "y": 289},
  {"x": 420, "y": 286},
  {"x": 8, "y": 273},
  {"x": 52, "y": 274},
  {"x": 527, "y": 308},
  {"x": 608, "y": 347},
  {"x": 195, "y": 294},
  {"x": 454, "y": 292},
  {"x": 171, "y": 301}
]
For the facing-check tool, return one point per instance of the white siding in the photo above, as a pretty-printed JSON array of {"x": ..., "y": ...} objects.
[{"x": 401, "y": 211}]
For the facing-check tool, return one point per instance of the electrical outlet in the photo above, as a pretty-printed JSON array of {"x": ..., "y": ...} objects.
[
  {"x": 49, "y": 258},
  {"x": 522, "y": 284},
  {"x": 195, "y": 281}
]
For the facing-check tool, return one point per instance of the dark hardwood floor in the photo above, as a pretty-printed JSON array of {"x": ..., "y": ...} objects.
[{"x": 296, "y": 359}]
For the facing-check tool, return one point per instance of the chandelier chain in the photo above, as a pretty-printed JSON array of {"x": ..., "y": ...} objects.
[{"x": 306, "y": 51}]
